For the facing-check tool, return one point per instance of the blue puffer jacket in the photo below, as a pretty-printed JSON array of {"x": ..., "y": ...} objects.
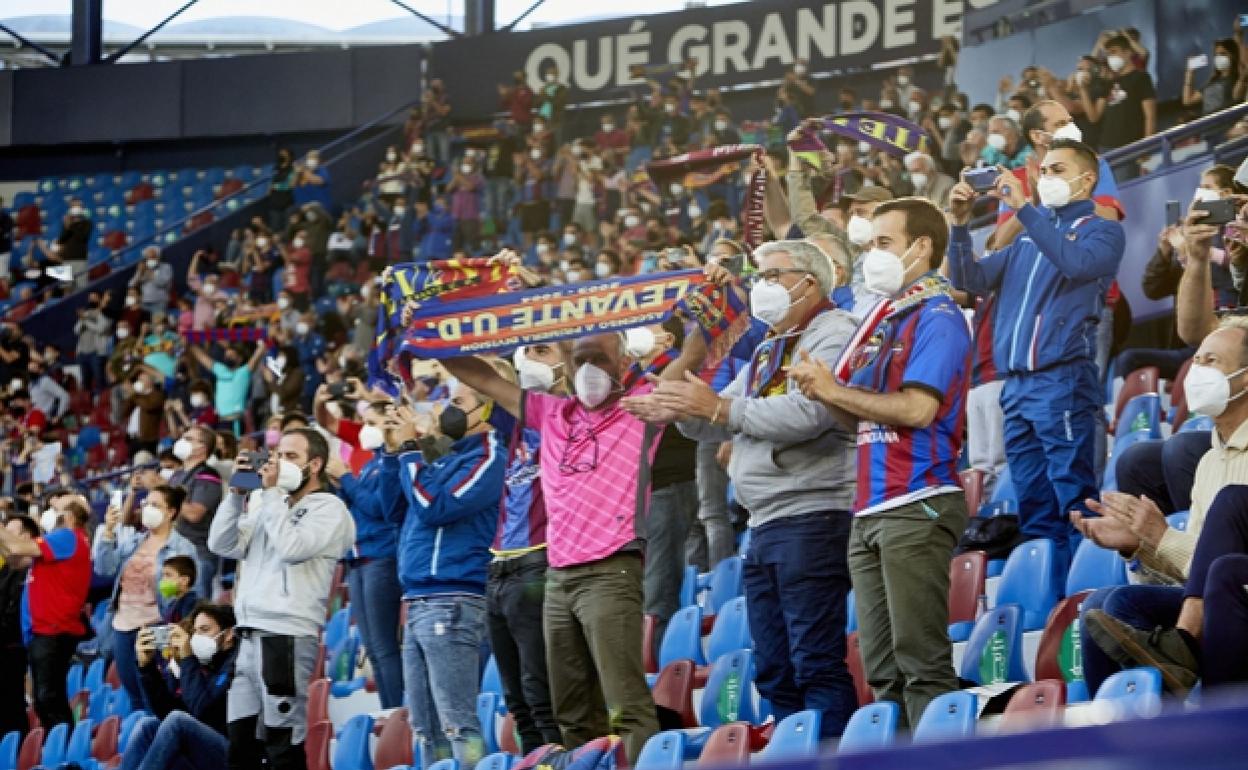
[
  {"x": 451, "y": 514},
  {"x": 1051, "y": 283},
  {"x": 373, "y": 504}
]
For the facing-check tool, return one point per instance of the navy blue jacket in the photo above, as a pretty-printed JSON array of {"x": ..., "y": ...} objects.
[
  {"x": 200, "y": 691},
  {"x": 451, "y": 514},
  {"x": 1051, "y": 284},
  {"x": 374, "y": 505}
]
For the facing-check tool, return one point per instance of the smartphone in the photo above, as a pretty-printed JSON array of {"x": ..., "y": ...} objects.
[
  {"x": 1220, "y": 212},
  {"x": 160, "y": 636},
  {"x": 245, "y": 481},
  {"x": 338, "y": 390},
  {"x": 982, "y": 179},
  {"x": 1243, "y": 20},
  {"x": 1174, "y": 212},
  {"x": 117, "y": 499},
  {"x": 1198, "y": 61}
]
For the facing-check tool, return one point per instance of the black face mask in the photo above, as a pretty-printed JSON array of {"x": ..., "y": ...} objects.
[{"x": 453, "y": 422}]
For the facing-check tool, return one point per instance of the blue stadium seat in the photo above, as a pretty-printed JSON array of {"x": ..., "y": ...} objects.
[
  {"x": 1141, "y": 413},
  {"x": 490, "y": 679},
  {"x": 724, "y": 583},
  {"x": 54, "y": 745},
  {"x": 119, "y": 704},
  {"x": 441, "y": 764},
  {"x": 489, "y": 709},
  {"x": 214, "y": 175},
  {"x": 664, "y": 751},
  {"x": 1196, "y": 422},
  {"x": 79, "y": 747},
  {"x": 683, "y": 637},
  {"x": 1121, "y": 444},
  {"x": 352, "y": 753},
  {"x": 796, "y": 736},
  {"x": 744, "y": 543},
  {"x": 851, "y": 612},
  {"x": 23, "y": 199},
  {"x": 1135, "y": 692},
  {"x": 127, "y": 727},
  {"x": 874, "y": 726},
  {"x": 951, "y": 715},
  {"x": 98, "y": 705},
  {"x": 100, "y": 181},
  {"x": 130, "y": 179},
  {"x": 73, "y": 680},
  {"x": 95, "y": 676},
  {"x": 994, "y": 653},
  {"x": 8, "y": 750},
  {"x": 1179, "y": 519},
  {"x": 731, "y": 630},
  {"x": 46, "y": 186},
  {"x": 1095, "y": 567},
  {"x": 689, "y": 586},
  {"x": 1029, "y": 580},
  {"x": 498, "y": 761},
  {"x": 337, "y": 627},
  {"x": 1004, "y": 489},
  {"x": 729, "y": 693}
]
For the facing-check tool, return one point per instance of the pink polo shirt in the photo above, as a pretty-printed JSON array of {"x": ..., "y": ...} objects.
[{"x": 595, "y": 476}]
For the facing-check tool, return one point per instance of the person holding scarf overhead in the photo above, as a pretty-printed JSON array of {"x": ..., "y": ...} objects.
[
  {"x": 903, "y": 379},
  {"x": 791, "y": 464}
]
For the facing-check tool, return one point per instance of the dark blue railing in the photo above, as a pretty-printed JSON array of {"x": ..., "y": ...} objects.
[{"x": 1166, "y": 140}]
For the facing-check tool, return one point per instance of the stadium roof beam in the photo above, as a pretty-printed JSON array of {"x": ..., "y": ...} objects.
[
  {"x": 522, "y": 16},
  {"x": 115, "y": 55},
  {"x": 30, "y": 44},
  {"x": 448, "y": 31}
]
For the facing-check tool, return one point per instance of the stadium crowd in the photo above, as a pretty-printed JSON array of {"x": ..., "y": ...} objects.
[{"x": 539, "y": 506}]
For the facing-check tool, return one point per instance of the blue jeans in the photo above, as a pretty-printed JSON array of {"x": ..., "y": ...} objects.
[
  {"x": 128, "y": 665},
  {"x": 1142, "y": 607},
  {"x": 180, "y": 742},
  {"x": 441, "y": 675},
  {"x": 1050, "y": 434},
  {"x": 500, "y": 195},
  {"x": 206, "y": 564},
  {"x": 796, "y": 576},
  {"x": 376, "y": 593}
]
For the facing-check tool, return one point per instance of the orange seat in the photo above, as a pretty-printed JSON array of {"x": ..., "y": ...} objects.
[
  {"x": 674, "y": 690},
  {"x": 967, "y": 573},
  {"x": 728, "y": 745},
  {"x": 394, "y": 742},
  {"x": 316, "y": 745},
  {"x": 853, "y": 659},
  {"x": 1036, "y": 705}
]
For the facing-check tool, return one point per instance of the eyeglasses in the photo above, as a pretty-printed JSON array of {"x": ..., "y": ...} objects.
[
  {"x": 579, "y": 443},
  {"x": 772, "y": 276}
]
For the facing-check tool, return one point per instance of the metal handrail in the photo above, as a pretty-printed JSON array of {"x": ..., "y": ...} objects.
[
  {"x": 137, "y": 247},
  {"x": 1166, "y": 139}
]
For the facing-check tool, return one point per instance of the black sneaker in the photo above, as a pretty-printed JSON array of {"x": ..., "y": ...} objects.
[{"x": 1161, "y": 648}]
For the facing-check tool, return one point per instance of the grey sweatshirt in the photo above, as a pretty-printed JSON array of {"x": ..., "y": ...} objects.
[
  {"x": 789, "y": 455},
  {"x": 286, "y": 557}
]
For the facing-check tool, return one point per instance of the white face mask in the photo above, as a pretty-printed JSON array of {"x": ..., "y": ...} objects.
[
  {"x": 48, "y": 519},
  {"x": 859, "y": 230},
  {"x": 945, "y": 122},
  {"x": 639, "y": 342},
  {"x": 1208, "y": 390},
  {"x": 919, "y": 179},
  {"x": 1069, "y": 131},
  {"x": 131, "y": 300},
  {"x": 204, "y": 647},
  {"x": 283, "y": 302},
  {"x": 903, "y": 80},
  {"x": 694, "y": 211},
  {"x": 198, "y": 400},
  {"x": 632, "y": 221},
  {"x": 887, "y": 104},
  {"x": 593, "y": 385},
  {"x": 418, "y": 149},
  {"x": 289, "y": 476},
  {"x": 122, "y": 333},
  {"x": 535, "y": 375},
  {"x": 721, "y": 125},
  {"x": 883, "y": 272},
  {"x": 371, "y": 437},
  {"x": 1014, "y": 115},
  {"x": 915, "y": 107},
  {"x": 997, "y": 141},
  {"x": 182, "y": 449},
  {"x": 151, "y": 517},
  {"x": 1222, "y": 62},
  {"x": 312, "y": 163},
  {"x": 799, "y": 69},
  {"x": 608, "y": 128},
  {"x": 669, "y": 108},
  {"x": 301, "y": 328},
  {"x": 166, "y": 473},
  {"x": 1054, "y": 191},
  {"x": 770, "y": 302},
  {"x": 297, "y": 243},
  {"x": 535, "y": 154},
  {"x": 551, "y": 77},
  {"x": 602, "y": 270},
  {"x": 140, "y": 387},
  {"x": 152, "y": 263},
  {"x": 465, "y": 168},
  {"x": 676, "y": 190},
  {"x": 1116, "y": 62},
  {"x": 391, "y": 156},
  {"x": 1204, "y": 195},
  {"x": 262, "y": 243}
]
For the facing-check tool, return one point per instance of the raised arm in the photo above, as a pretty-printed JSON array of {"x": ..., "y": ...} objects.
[
  {"x": 1193, "y": 306},
  {"x": 481, "y": 377}
]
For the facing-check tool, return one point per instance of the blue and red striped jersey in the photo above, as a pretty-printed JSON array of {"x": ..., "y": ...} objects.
[
  {"x": 985, "y": 367},
  {"x": 927, "y": 346}
]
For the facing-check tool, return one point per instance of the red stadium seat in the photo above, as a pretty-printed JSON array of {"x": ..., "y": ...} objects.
[
  {"x": 853, "y": 659},
  {"x": 728, "y": 745},
  {"x": 316, "y": 745},
  {"x": 1038, "y": 704},
  {"x": 1049, "y": 662},
  {"x": 973, "y": 485},
  {"x": 394, "y": 742},
  {"x": 104, "y": 744},
  {"x": 1178, "y": 396},
  {"x": 32, "y": 749},
  {"x": 966, "y": 584},
  {"x": 650, "y": 661},
  {"x": 318, "y": 699},
  {"x": 674, "y": 690},
  {"x": 507, "y": 735}
]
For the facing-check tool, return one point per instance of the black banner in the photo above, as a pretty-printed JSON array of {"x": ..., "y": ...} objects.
[{"x": 732, "y": 44}]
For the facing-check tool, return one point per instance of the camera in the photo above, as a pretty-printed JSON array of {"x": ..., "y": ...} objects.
[
  {"x": 982, "y": 179},
  {"x": 160, "y": 636}
]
